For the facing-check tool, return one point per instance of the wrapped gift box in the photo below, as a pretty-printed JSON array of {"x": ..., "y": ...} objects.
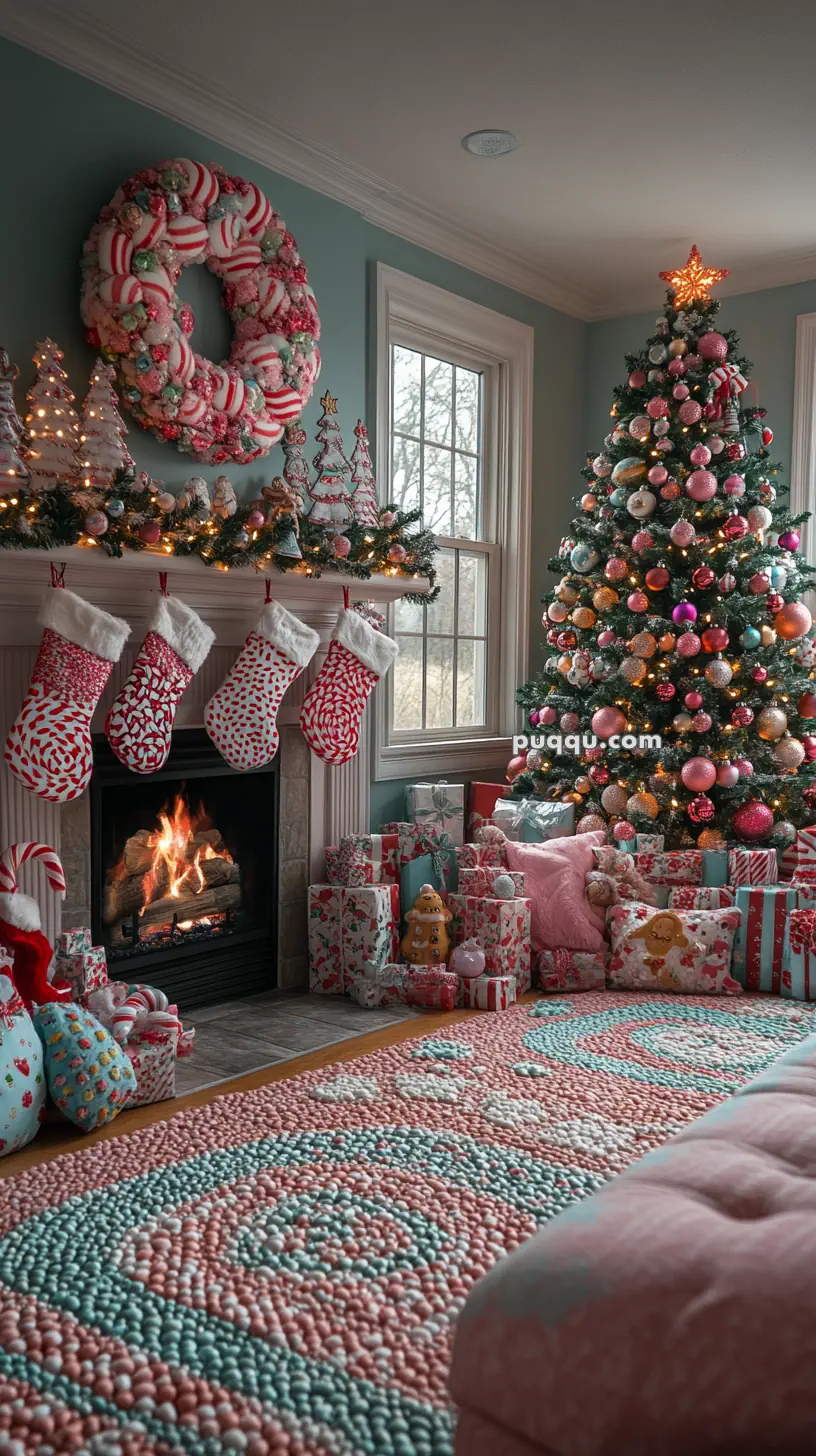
[
  {"x": 752, "y": 867},
  {"x": 414, "y": 840},
  {"x": 350, "y": 928},
  {"x": 380, "y": 986},
  {"x": 571, "y": 970},
  {"x": 432, "y": 987},
  {"x": 363, "y": 859},
  {"x": 74, "y": 942},
  {"x": 801, "y": 854},
  {"x": 502, "y": 929},
  {"x": 85, "y": 971},
  {"x": 439, "y": 870},
  {"x": 482, "y": 799},
  {"x": 674, "y": 867},
  {"x": 479, "y": 881},
  {"x": 438, "y": 807},
  {"x": 799, "y": 971},
  {"x": 649, "y": 843},
  {"x": 489, "y": 993},
  {"x": 473, "y": 856},
  {"x": 534, "y": 820},
  {"x": 715, "y": 867},
  {"x": 701, "y": 897},
  {"x": 759, "y": 947},
  {"x": 152, "y": 1052}
]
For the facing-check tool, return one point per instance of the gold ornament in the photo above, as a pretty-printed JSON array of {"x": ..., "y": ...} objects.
[
  {"x": 567, "y": 594},
  {"x": 767, "y": 636},
  {"x": 573, "y": 797},
  {"x": 667, "y": 642},
  {"x": 633, "y": 670},
  {"x": 711, "y": 839},
  {"x": 642, "y": 803},
  {"x": 693, "y": 282},
  {"x": 583, "y": 785},
  {"x": 678, "y": 348},
  {"x": 789, "y": 752},
  {"x": 564, "y": 663},
  {"x": 771, "y": 723},
  {"x": 614, "y": 799},
  {"x": 604, "y": 598},
  {"x": 583, "y": 617},
  {"x": 643, "y": 644}
]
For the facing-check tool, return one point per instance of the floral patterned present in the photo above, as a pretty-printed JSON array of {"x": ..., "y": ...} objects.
[
  {"x": 74, "y": 942},
  {"x": 571, "y": 970},
  {"x": 535, "y": 820},
  {"x": 152, "y": 1053},
  {"x": 675, "y": 867},
  {"x": 752, "y": 867},
  {"x": 649, "y": 843},
  {"x": 380, "y": 986},
  {"x": 479, "y": 880},
  {"x": 472, "y": 856},
  {"x": 438, "y": 807},
  {"x": 701, "y": 897},
  {"x": 801, "y": 854},
  {"x": 414, "y": 840},
  {"x": 363, "y": 859},
  {"x": 759, "y": 949},
  {"x": 350, "y": 927},
  {"x": 85, "y": 971},
  {"x": 799, "y": 972},
  {"x": 489, "y": 993},
  {"x": 432, "y": 987},
  {"x": 482, "y": 800},
  {"x": 502, "y": 929}
]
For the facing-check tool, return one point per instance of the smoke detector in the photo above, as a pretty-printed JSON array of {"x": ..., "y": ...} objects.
[{"x": 490, "y": 143}]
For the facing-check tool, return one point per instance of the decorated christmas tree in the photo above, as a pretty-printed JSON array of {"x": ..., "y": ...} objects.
[
  {"x": 52, "y": 428},
  {"x": 330, "y": 494},
  {"x": 102, "y": 450},
  {"x": 13, "y": 472},
  {"x": 296, "y": 469},
  {"x": 678, "y": 635},
  {"x": 362, "y": 478}
]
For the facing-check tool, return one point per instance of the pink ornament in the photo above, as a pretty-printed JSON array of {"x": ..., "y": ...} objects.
[
  {"x": 606, "y": 722},
  {"x": 637, "y": 601},
  {"x": 727, "y": 775},
  {"x": 546, "y": 716},
  {"x": 657, "y": 475},
  {"x": 693, "y": 701},
  {"x": 342, "y": 546},
  {"x": 642, "y": 541},
  {"x": 680, "y": 392},
  {"x": 657, "y": 407},
  {"x": 693, "y": 361},
  {"x": 759, "y": 584},
  {"x": 637, "y": 379},
  {"x": 467, "y": 960},
  {"x": 734, "y": 485},
  {"x": 590, "y": 824},
  {"x": 744, "y": 767},
  {"x": 700, "y": 455},
  {"x": 793, "y": 621},
  {"x": 255, "y": 520},
  {"x": 684, "y": 612},
  {"x": 700, "y": 723},
  {"x": 701, "y": 485},
  {"x": 752, "y": 821},
  {"x": 688, "y": 645},
  {"x": 676, "y": 370},
  {"x": 96, "y": 523},
  {"x": 396, "y": 552},
  {"x": 150, "y": 532},
  {"x": 623, "y": 831},
  {"x": 712, "y": 346},
  {"x": 698, "y": 774},
  {"x": 701, "y": 810},
  {"x": 615, "y": 569},
  {"x": 570, "y": 723},
  {"x": 606, "y": 637},
  {"x": 690, "y": 411},
  {"x": 682, "y": 533},
  {"x": 735, "y": 528}
]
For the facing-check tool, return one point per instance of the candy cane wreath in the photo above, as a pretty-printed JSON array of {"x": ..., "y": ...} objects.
[{"x": 162, "y": 219}]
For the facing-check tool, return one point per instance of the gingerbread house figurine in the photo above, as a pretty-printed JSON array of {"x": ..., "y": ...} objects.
[{"x": 426, "y": 941}]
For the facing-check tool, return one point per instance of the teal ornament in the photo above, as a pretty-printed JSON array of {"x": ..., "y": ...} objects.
[
  {"x": 619, "y": 497},
  {"x": 584, "y": 557},
  {"x": 143, "y": 363},
  {"x": 241, "y": 538},
  {"x": 629, "y": 471},
  {"x": 216, "y": 212},
  {"x": 173, "y": 203},
  {"x": 129, "y": 322},
  {"x": 132, "y": 395},
  {"x": 750, "y": 638},
  {"x": 230, "y": 201},
  {"x": 779, "y": 577},
  {"x": 144, "y": 260},
  {"x": 115, "y": 508}
]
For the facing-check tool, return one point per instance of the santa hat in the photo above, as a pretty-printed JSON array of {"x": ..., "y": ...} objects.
[{"x": 17, "y": 909}]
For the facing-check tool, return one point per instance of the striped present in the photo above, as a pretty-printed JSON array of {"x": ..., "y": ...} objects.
[
  {"x": 752, "y": 867},
  {"x": 759, "y": 949},
  {"x": 799, "y": 855},
  {"x": 799, "y": 974},
  {"x": 489, "y": 993}
]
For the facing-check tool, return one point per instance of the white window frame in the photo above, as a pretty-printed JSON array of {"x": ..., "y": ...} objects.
[
  {"x": 803, "y": 452},
  {"x": 443, "y": 324}
]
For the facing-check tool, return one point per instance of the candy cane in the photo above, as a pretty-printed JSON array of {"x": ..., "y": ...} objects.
[
  {"x": 141, "y": 1000},
  {"x": 17, "y": 854}
]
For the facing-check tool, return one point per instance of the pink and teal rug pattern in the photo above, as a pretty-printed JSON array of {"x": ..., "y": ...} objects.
[{"x": 280, "y": 1271}]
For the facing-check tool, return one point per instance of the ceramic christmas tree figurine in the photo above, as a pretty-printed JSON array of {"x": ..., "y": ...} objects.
[
  {"x": 52, "y": 437},
  {"x": 426, "y": 941},
  {"x": 13, "y": 472},
  {"x": 680, "y": 654},
  {"x": 102, "y": 433},
  {"x": 364, "y": 502},
  {"x": 296, "y": 469},
  {"x": 330, "y": 494}
]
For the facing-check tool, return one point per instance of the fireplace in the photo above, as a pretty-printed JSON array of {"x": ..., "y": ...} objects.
[{"x": 184, "y": 871}]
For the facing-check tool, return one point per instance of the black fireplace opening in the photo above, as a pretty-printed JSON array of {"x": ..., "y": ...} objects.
[{"x": 184, "y": 872}]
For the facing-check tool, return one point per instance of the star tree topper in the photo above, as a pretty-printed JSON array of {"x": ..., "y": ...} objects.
[
  {"x": 694, "y": 281},
  {"x": 329, "y": 404}
]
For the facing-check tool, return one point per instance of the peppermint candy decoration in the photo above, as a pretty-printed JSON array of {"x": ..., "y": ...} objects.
[
  {"x": 161, "y": 220},
  {"x": 728, "y": 376}
]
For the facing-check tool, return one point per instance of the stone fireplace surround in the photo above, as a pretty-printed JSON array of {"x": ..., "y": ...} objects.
[{"x": 318, "y": 803}]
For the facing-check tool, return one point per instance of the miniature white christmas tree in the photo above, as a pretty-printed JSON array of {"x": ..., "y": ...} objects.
[
  {"x": 330, "y": 494},
  {"x": 296, "y": 469},
  {"x": 364, "y": 500},
  {"x": 13, "y": 472},
  {"x": 52, "y": 427},
  {"x": 103, "y": 449}
]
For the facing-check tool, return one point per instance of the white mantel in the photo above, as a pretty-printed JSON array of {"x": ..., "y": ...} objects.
[{"x": 339, "y": 798}]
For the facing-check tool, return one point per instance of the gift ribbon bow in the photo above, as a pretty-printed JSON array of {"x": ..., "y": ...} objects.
[
  {"x": 802, "y": 931},
  {"x": 728, "y": 381},
  {"x": 526, "y": 811},
  {"x": 442, "y": 807}
]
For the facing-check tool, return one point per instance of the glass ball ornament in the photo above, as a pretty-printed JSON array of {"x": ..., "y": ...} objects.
[
  {"x": 699, "y": 455},
  {"x": 96, "y": 523},
  {"x": 793, "y": 621},
  {"x": 590, "y": 824},
  {"x": 623, "y": 831},
  {"x": 583, "y": 784},
  {"x": 701, "y": 723},
  {"x": 604, "y": 598},
  {"x": 642, "y": 541},
  {"x": 665, "y": 691},
  {"x": 784, "y": 831},
  {"x": 516, "y": 766},
  {"x": 583, "y": 617},
  {"x": 684, "y": 612},
  {"x": 606, "y": 637},
  {"x": 615, "y": 569},
  {"x": 116, "y": 508},
  {"x": 661, "y": 428},
  {"x": 637, "y": 601},
  {"x": 678, "y": 348},
  {"x": 688, "y": 645},
  {"x": 584, "y": 557},
  {"x": 711, "y": 839},
  {"x": 602, "y": 465},
  {"x": 670, "y": 491},
  {"x": 569, "y": 723},
  {"x": 698, "y": 774},
  {"x": 618, "y": 498},
  {"x": 468, "y": 958},
  {"x": 742, "y": 716},
  {"x": 165, "y": 502},
  {"x": 564, "y": 663},
  {"x": 680, "y": 392},
  {"x": 713, "y": 346},
  {"x": 727, "y": 775},
  {"x": 789, "y": 752},
  {"x": 727, "y": 583},
  {"x": 701, "y": 486},
  {"x": 681, "y": 722},
  {"x": 694, "y": 362},
  {"x": 641, "y": 504},
  {"x": 643, "y": 644},
  {"x": 614, "y": 799},
  {"x": 600, "y": 775},
  {"x": 771, "y": 723},
  {"x": 719, "y": 673},
  {"x": 807, "y": 705},
  {"x": 589, "y": 501},
  {"x": 682, "y": 533},
  {"x": 759, "y": 519},
  {"x": 759, "y": 673},
  {"x": 693, "y": 700},
  {"x": 629, "y": 471},
  {"x": 256, "y": 519},
  {"x": 767, "y": 635},
  {"x": 676, "y": 368},
  {"x": 150, "y": 533},
  {"x": 750, "y": 638},
  {"x": 608, "y": 721},
  {"x": 534, "y": 759},
  {"x": 643, "y": 803},
  {"x": 715, "y": 639},
  {"x": 790, "y": 540},
  {"x": 657, "y": 577},
  {"x": 557, "y": 612},
  {"x": 637, "y": 379},
  {"x": 658, "y": 354},
  {"x": 701, "y": 810},
  {"x": 809, "y": 745},
  {"x": 703, "y": 577},
  {"x": 657, "y": 475},
  {"x": 734, "y": 485},
  {"x": 735, "y": 528},
  {"x": 752, "y": 821},
  {"x": 632, "y": 670},
  {"x": 759, "y": 584},
  {"x": 658, "y": 407},
  {"x": 640, "y": 428},
  {"x": 767, "y": 492},
  {"x": 690, "y": 412},
  {"x": 566, "y": 593},
  {"x": 546, "y": 716},
  {"x": 667, "y": 642},
  {"x": 778, "y": 577},
  {"x": 566, "y": 640},
  {"x": 775, "y": 602},
  {"x": 716, "y": 444},
  {"x": 744, "y": 767}
]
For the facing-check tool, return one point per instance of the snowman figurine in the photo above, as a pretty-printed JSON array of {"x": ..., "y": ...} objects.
[{"x": 426, "y": 941}]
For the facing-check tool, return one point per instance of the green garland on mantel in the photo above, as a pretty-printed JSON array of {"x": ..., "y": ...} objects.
[{"x": 56, "y": 518}]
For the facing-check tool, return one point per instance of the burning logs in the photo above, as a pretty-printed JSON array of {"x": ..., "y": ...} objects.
[{"x": 163, "y": 875}]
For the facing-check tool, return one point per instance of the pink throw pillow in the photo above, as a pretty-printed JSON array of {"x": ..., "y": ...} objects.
[{"x": 555, "y": 880}]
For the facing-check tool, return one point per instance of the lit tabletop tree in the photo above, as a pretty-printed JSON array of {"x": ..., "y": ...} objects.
[
  {"x": 679, "y": 612},
  {"x": 102, "y": 436},
  {"x": 13, "y": 472},
  {"x": 52, "y": 428},
  {"x": 330, "y": 494}
]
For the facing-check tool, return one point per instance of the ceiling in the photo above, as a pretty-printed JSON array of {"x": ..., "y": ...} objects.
[{"x": 644, "y": 127}]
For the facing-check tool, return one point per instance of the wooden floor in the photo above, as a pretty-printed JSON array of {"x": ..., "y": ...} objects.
[{"x": 58, "y": 1136}]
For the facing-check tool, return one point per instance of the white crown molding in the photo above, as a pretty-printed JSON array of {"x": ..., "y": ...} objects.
[{"x": 81, "y": 44}]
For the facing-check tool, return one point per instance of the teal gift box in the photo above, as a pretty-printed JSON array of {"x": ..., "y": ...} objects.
[
  {"x": 759, "y": 948},
  {"x": 427, "y": 869},
  {"x": 715, "y": 867}
]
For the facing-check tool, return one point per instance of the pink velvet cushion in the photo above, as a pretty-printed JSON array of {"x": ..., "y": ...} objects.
[{"x": 555, "y": 881}]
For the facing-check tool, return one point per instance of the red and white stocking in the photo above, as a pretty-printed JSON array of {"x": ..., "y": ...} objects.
[
  {"x": 240, "y": 717},
  {"x": 49, "y": 747},
  {"x": 140, "y": 722},
  {"x": 357, "y": 658}
]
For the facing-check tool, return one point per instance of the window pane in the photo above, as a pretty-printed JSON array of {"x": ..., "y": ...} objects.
[
  {"x": 436, "y": 505},
  {"x": 438, "y": 401},
  {"x": 470, "y": 685},
  {"x": 440, "y": 613},
  {"x": 408, "y": 616},
  {"x": 405, "y": 482},
  {"x": 407, "y": 390},
  {"x": 468, "y": 393},
  {"x": 406, "y": 679},
  {"x": 472, "y": 594},
  {"x": 439, "y": 683},
  {"x": 466, "y": 498}
]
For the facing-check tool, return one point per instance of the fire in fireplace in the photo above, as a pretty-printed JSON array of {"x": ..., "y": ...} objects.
[{"x": 184, "y": 872}]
